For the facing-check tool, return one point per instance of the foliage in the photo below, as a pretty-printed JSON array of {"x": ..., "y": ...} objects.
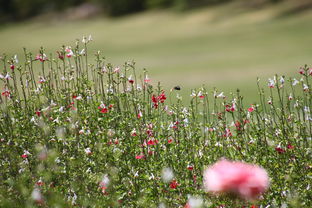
[
  {"x": 20, "y": 9},
  {"x": 90, "y": 134}
]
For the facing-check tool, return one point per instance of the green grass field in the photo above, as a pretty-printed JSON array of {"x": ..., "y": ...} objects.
[{"x": 225, "y": 47}]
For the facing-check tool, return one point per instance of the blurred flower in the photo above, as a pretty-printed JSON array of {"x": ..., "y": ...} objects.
[
  {"x": 37, "y": 196},
  {"x": 166, "y": 174},
  {"x": 104, "y": 183},
  {"x": 194, "y": 202},
  {"x": 246, "y": 180}
]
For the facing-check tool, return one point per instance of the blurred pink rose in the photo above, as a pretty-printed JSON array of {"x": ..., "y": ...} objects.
[{"x": 246, "y": 180}]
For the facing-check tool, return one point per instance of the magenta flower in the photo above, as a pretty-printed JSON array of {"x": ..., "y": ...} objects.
[
  {"x": 245, "y": 180},
  {"x": 141, "y": 156}
]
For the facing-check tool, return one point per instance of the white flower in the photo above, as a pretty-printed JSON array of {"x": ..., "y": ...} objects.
[
  {"x": 82, "y": 52},
  {"x": 117, "y": 69},
  {"x": 88, "y": 151},
  {"x": 221, "y": 95},
  {"x": 15, "y": 59},
  {"x": 271, "y": 82},
  {"x": 7, "y": 76},
  {"x": 295, "y": 82}
]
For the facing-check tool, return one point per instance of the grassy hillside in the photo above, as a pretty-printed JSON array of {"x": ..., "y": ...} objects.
[{"x": 225, "y": 46}]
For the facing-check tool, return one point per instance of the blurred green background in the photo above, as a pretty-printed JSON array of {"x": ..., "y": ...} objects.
[{"x": 224, "y": 44}]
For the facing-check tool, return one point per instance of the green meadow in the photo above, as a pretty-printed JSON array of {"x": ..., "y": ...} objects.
[{"x": 225, "y": 46}]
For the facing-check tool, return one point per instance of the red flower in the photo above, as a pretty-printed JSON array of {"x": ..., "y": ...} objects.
[
  {"x": 289, "y": 146},
  {"x": 301, "y": 71},
  {"x": 173, "y": 184},
  {"x": 60, "y": 56},
  {"x": 162, "y": 97},
  {"x": 280, "y": 150},
  {"x": 170, "y": 141},
  {"x": 24, "y": 155},
  {"x": 38, "y": 113},
  {"x": 155, "y": 101},
  {"x": 152, "y": 142},
  {"x": 138, "y": 157},
  {"x": 39, "y": 183},
  {"x": 189, "y": 167},
  {"x": 6, "y": 93},
  {"x": 12, "y": 66},
  {"x": 238, "y": 125},
  {"x": 230, "y": 108},
  {"x": 104, "y": 110}
]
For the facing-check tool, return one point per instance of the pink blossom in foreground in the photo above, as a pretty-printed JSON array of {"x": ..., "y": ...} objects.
[{"x": 246, "y": 180}]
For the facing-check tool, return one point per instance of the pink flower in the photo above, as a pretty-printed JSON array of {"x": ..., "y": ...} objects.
[
  {"x": 140, "y": 115},
  {"x": 41, "y": 57},
  {"x": 289, "y": 146},
  {"x": 251, "y": 109},
  {"x": 138, "y": 157},
  {"x": 246, "y": 180}
]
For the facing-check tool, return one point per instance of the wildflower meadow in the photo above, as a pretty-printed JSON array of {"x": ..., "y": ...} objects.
[{"x": 78, "y": 131}]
